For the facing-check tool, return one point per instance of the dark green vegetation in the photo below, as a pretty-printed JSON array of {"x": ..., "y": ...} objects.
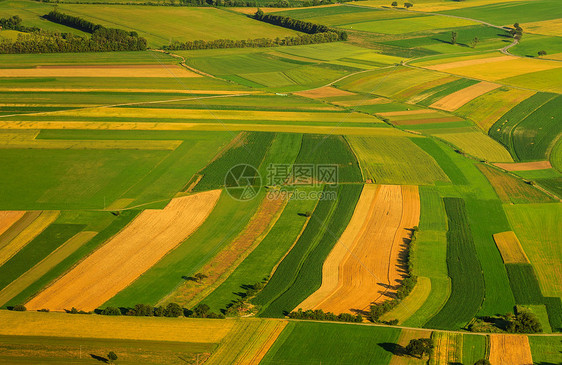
[
  {"x": 526, "y": 289},
  {"x": 300, "y": 272},
  {"x": 529, "y": 130},
  {"x": 467, "y": 281},
  {"x": 329, "y": 343}
]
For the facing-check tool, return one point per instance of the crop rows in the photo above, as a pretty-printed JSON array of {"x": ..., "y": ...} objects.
[{"x": 467, "y": 281}]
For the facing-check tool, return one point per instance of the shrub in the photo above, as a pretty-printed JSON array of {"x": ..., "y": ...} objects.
[
  {"x": 419, "y": 347},
  {"x": 111, "y": 311},
  {"x": 173, "y": 310},
  {"x": 19, "y": 308}
]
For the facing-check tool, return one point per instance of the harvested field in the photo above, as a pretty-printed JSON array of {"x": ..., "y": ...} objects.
[
  {"x": 100, "y": 71},
  {"x": 405, "y": 336},
  {"x": 510, "y": 349},
  {"x": 472, "y": 62},
  {"x": 127, "y": 255},
  {"x": 248, "y": 344},
  {"x": 392, "y": 212},
  {"x": 510, "y": 248},
  {"x": 27, "y": 235},
  {"x": 323, "y": 92},
  {"x": 457, "y": 99},
  {"x": 7, "y": 218},
  {"x": 427, "y": 121},
  {"x": 511, "y": 189},
  {"x": 525, "y": 166},
  {"x": 226, "y": 261},
  {"x": 120, "y": 327},
  {"x": 37, "y": 271}
]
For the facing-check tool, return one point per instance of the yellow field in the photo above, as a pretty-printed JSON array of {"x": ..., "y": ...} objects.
[
  {"x": 40, "y": 269},
  {"x": 9, "y": 217},
  {"x": 405, "y": 337},
  {"x": 411, "y": 303},
  {"x": 510, "y": 349},
  {"x": 448, "y": 348},
  {"x": 27, "y": 235},
  {"x": 510, "y": 248},
  {"x": 505, "y": 68},
  {"x": 435, "y": 5},
  {"x": 548, "y": 27},
  {"x": 459, "y": 98},
  {"x": 376, "y": 237},
  {"x": 478, "y": 144},
  {"x": 127, "y": 91},
  {"x": 218, "y": 114},
  {"x": 117, "y": 327},
  {"x": 441, "y": 60},
  {"x": 486, "y": 110},
  {"x": 247, "y": 344},
  {"x": 127, "y": 255},
  {"x": 468, "y": 61},
  {"x": 367, "y": 131},
  {"x": 100, "y": 71}
]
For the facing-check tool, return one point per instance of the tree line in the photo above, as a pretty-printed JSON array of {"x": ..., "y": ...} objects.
[
  {"x": 298, "y": 25},
  {"x": 41, "y": 41},
  {"x": 255, "y": 43}
]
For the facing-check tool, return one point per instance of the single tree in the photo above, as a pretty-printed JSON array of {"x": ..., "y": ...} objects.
[
  {"x": 408, "y": 5},
  {"x": 453, "y": 37},
  {"x": 173, "y": 310},
  {"x": 542, "y": 53},
  {"x": 474, "y": 42},
  {"x": 482, "y": 362},
  {"x": 201, "y": 310},
  {"x": 112, "y": 357},
  {"x": 419, "y": 347},
  {"x": 199, "y": 277},
  {"x": 394, "y": 3}
]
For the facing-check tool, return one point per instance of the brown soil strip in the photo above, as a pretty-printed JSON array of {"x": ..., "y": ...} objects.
[
  {"x": 225, "y": 262},
  {"x": 127, "y": 255},
  {"x": 525, "y": 166},
  {"x": 510, "y": 349}
]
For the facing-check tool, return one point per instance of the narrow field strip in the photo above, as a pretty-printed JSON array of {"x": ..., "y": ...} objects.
[
  {"x": 414, "y": 301},
  {"x": 27, "y": 235},
  {"x": 101, "y": 71},
  {"x": 525, "y": 166},
  {"x": 472, "y": 62},
  {"x": 510, "y": 248},
  {"x": 324, "y": 92},
  {"x": 40, "y": 269},
  {"x": 12, "y": 231},
  {"x": 227, "y": 260},
  {"x": 8, "y": 218},
  {"x": 90, "y": 144},
  {"x": 371, "y": 272},
  {"x": 248, "y": 342},
  {"x": 459, "y": 98},
  {"x": 427, "y": 121},
  {"x": 145, "y": 126},
  {"x": 510, "y": 349},
  {"x": 122, "y": 327},
  {"x": 125, "y": 91},
  {"x": 127, "y": 255}
]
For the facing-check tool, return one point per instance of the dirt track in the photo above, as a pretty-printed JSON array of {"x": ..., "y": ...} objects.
[{"x": 127, "y": 255}]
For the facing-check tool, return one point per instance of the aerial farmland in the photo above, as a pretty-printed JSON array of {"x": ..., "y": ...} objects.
[{"x": 281, "y": 182}]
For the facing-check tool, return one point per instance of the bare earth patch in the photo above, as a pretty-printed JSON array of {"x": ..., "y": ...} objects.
[
  {"x": 127, "y": 255},
  {"x": 525, "y": 166}
]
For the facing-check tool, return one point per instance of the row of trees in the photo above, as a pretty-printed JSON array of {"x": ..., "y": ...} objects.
[
  {"x": 170, "y": 310},
  {"x": 320, "y": 315},
  {"x": 255, "y": 43},
  {"x": 102, "y": 39},
  {"x": 227, "y": 3},
  {"x": 406, "y": 287},
  {"x": 298, "y": 25}
]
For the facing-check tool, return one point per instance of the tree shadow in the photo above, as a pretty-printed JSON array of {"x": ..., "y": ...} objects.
[
  {"x": 100, "y": 358},
  {"x": 393, "y": 348}
]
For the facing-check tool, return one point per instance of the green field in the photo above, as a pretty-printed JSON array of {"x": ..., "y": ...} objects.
[
  {"x": 395, "y": 161},
  {"x": 328, "y": 343},
  {"x": 464, "y": 269}
]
